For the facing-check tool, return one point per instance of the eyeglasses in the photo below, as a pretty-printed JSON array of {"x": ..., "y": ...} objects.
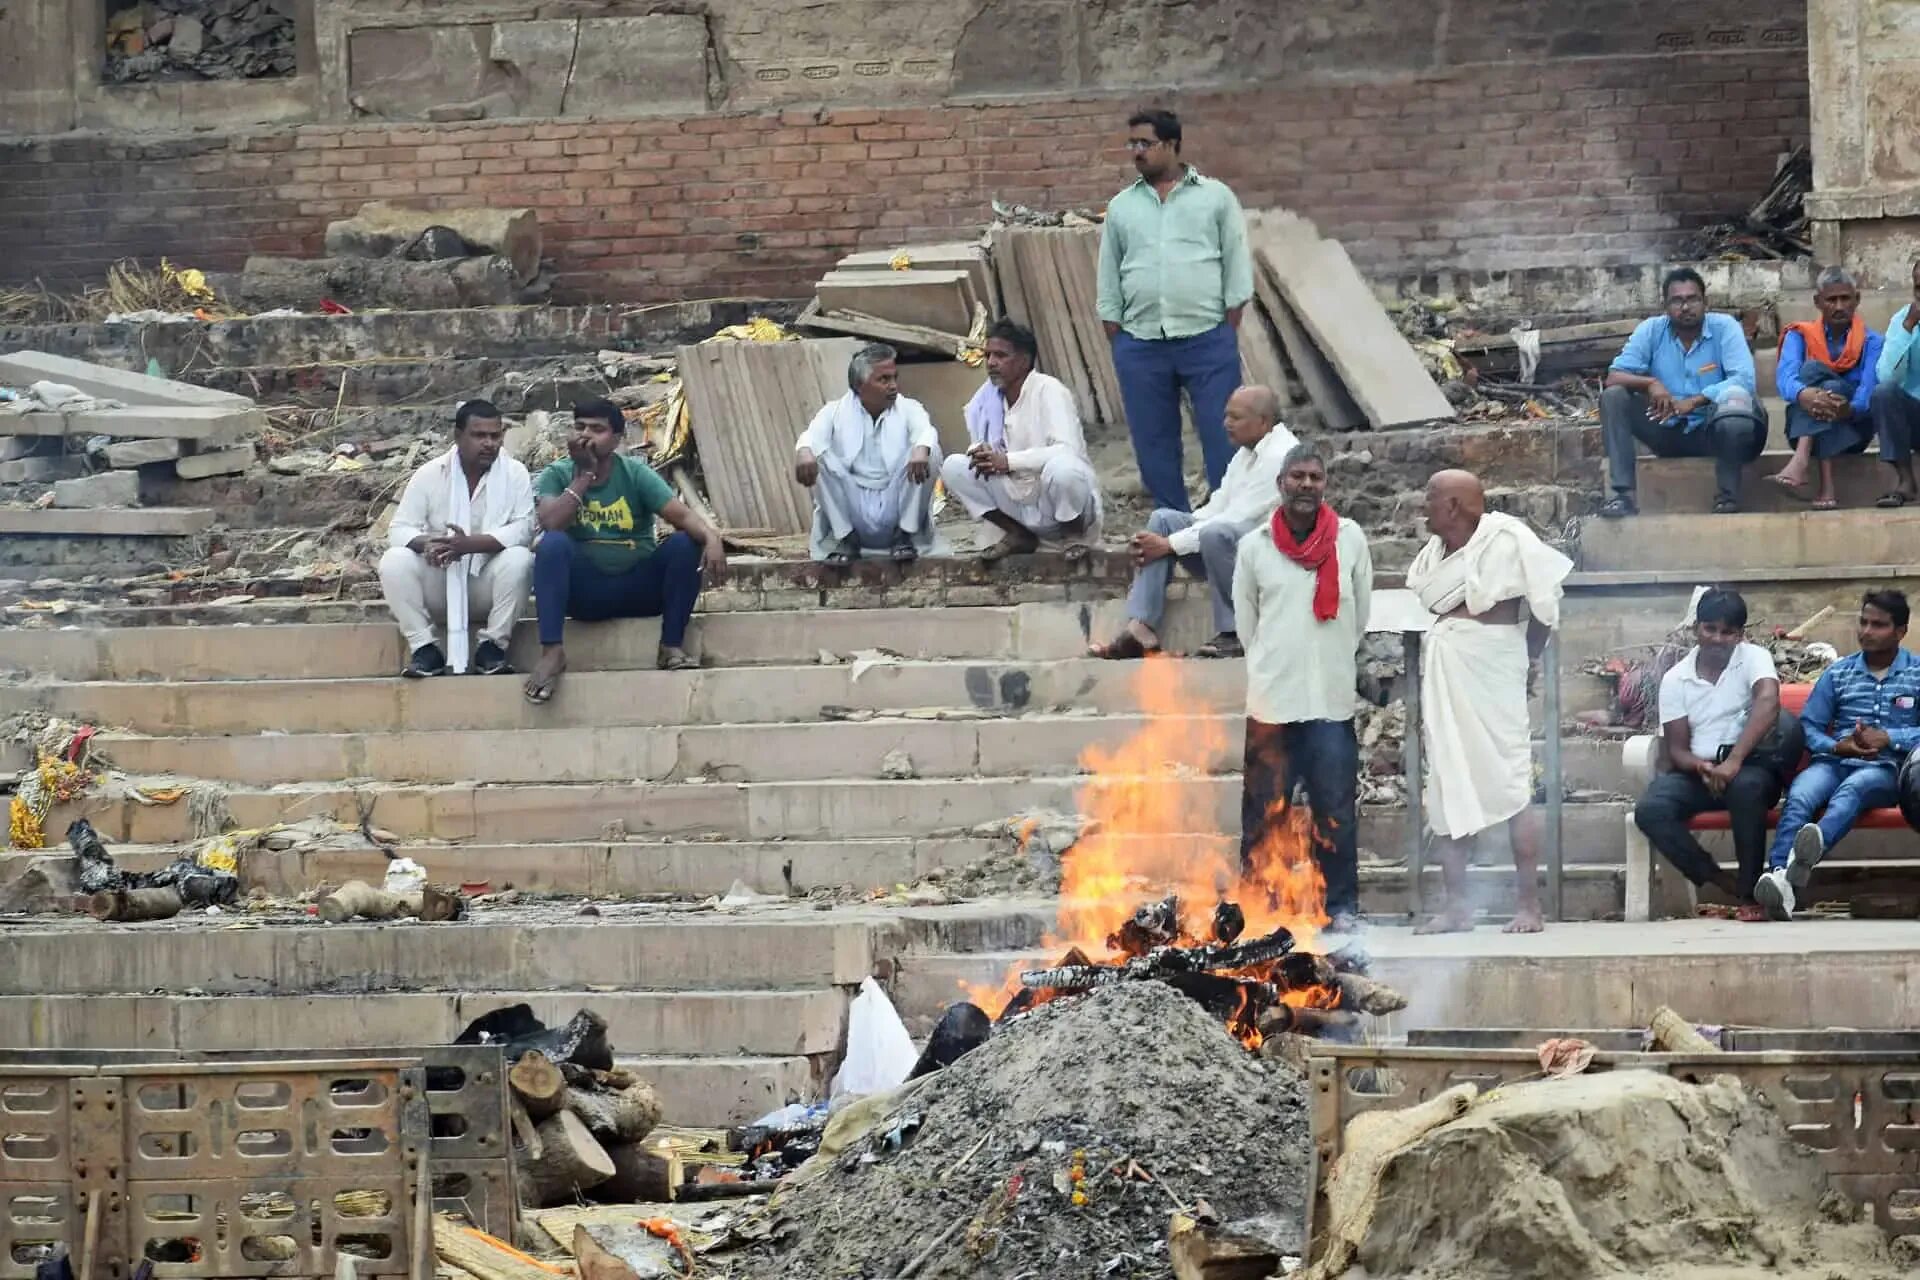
[{"x": 1142, "y": 144}]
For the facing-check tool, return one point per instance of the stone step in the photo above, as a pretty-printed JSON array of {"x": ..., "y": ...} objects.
[
  {"x": 1753, "y": 542},
  {"x": 1684, "y": 486},
  {"x": 105, "y": 522},
  {"x": 723, "y": 1091},
  {"x": 1598, "y": 619},
  {"x": 722, "y": 695}
]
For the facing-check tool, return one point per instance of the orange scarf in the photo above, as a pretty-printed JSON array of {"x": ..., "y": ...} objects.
[
  {"x": 1320, "y": 553},
  {"x": 1814, "y": 334}
]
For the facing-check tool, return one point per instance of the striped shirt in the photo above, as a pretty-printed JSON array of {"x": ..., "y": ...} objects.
[{"x": 1847, "y": 694}]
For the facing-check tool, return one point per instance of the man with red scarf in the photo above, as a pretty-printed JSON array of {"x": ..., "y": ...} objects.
[
  {"x": 1828, "y": 370},
  {"x": 1302, "y": 587}
]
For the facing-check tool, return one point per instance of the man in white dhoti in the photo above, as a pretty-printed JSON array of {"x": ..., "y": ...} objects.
[
  {"x": 870, "y": 458},
  {"x": 1027, "y": 471},
  {"x": 458, "y": 550},
  {"x": 1474, "y": 574}
]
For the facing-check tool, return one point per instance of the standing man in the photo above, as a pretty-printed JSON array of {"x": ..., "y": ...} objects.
[
  {"x": 1860, "y": 723},
  {"x": 869, "y": 459},
  {"x": 1302, "y": 590},
  {"x": 1682, "y": 386},
  {"x": 1729, "y": 746},
  {"x": 1896, "y": 400},
  {"x": 1175, "y": 276},
  {"x": 1205, "y": 542},
  {"x": 597, "y": 557},
  {"x": 1027, "y": 472},
  {"x": 435, "y": 571},
  {"x": 1828, "y": 369},
  {"x": 1476, "y": 669}
]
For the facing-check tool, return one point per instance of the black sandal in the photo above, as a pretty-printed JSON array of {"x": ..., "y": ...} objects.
[
  {"x": 1725, "y": 507},
  {"x": 1617, "y": 506},
  {"x": 1224, "y": 645},
  {"x": 1893, "y": 500},
  {"x": 1125, "y": 648}
]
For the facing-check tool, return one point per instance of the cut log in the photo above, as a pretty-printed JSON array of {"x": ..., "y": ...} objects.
[
  {"x": 645, "y": 1173},
  {"x": 483, "y": 1256},
  {"x": 1205, "y": 1251},
  {"x": 135, "y": 904},
  {"x": 1567, "y": 349},
  {"x": 538, "y": 1084},
  {"x": 616, "y": 1115},
  {"x": 739, "y": 1190},
  {"x": 381, "y": 230},
  {"x": 570, "y": 1163},
  {"x": 1364, "y": 995},
  {"x": 526, "y": 1138},
  {"x": 376, "y": 282},
  {"x": 621, "y": 1253},
  {"x": 358, "y": 899},
  {"x": 1674, "y": 1034}
]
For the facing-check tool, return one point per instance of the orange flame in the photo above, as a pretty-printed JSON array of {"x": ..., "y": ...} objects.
[{"x": 1156, "y": 810}]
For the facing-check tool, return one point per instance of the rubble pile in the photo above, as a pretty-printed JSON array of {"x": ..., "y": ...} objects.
[
  {"x": 1058, "y": 1148},
  {"x": 200, "y": 40}
]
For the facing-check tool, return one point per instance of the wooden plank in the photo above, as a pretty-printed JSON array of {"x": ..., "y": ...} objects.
[
  {"x": 107, "y": 522},
  {"x": 1079, "y": 249},
  {"x": 1381, "y": 371},
  {"x": 1570, "y": 347},
  {"x": 1324, "y": 389}
]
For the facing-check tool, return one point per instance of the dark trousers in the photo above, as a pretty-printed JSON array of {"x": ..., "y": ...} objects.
[
  {"x": 1830, "y": 439},
  {"x": 1896, "y": 419},
  {"x": 1673, "y": 799},
  {"x": 1325, "y": 756},
  {"x": 1152, "y": 375},
  {"x": 567, "y": 585},
  {"x": 1732, "y": 437}
]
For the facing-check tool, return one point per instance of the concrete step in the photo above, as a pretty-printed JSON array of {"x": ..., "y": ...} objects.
[
  {"x": 439, "y": 381},
  {"x": 1751, "y": 541},
  {"x": 730, "y": 753},
  {"x": 1876, "y": 308},
  {"x": 727, "y": 695},
  {"x": 1596, "y": 620},
  {"x": 1683, "y": 486},
  {"x": 724, "y": 1091}
]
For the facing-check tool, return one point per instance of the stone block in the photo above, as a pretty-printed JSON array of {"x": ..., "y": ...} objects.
[
  {"x": 128, "y": 454},
  {"x": 41, "y": 470},
  {"x": 108, "y": 489},
  {"x": 220, "y": 462}
]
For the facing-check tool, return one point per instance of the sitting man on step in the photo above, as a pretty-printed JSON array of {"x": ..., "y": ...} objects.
[
  {"x": 1729, "y": 748},
  {"x": 1682, "y": 386},
  {"x": 1896, "y": 400},
  {"x": 1027, "y": 472},
  {"x": 1860, "y": 723},
  {"x": 436, "y": 571},
  {"x": 1205, "y": 541},
  {"x": 597, "y": 557},
  {"x": 1828, "y": 369},
  {"x": 870, "y": 458}
]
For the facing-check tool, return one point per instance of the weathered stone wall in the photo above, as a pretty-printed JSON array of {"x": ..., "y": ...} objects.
[
  {"x": 759, "y": 139},
  {"x": 1864, "y": 64}
]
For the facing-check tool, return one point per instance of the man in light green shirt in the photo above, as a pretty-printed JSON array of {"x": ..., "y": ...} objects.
[{"x": 1175, "y": 276}]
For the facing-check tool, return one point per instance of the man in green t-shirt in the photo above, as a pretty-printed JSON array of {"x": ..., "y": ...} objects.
[{"x": 596, "y": 557}]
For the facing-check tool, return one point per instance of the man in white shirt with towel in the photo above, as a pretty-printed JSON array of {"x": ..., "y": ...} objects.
[
  {"x": 459, "y": 550},
  {"x": 1476, "y": 667},
  {"x": 1205, "y": 541},
  {"x": 1026, "y": 472},
  {"x": 870, "y": 458}
]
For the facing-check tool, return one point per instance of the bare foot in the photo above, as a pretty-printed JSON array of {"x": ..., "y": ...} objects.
[
  {"x": 1526, "y": 919},
  {"x": 546, "y": 674},
  {"x": 1452, "y": 920}
]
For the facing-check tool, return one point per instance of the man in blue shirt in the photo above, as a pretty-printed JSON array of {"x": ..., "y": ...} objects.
[
  {"x": 1175, "y": 276},
  {"x": 1826, "y": 376},
  {"x": 1682, "y": 386},
  {"x": 1896, "y": 400},
  {"x": 1860, "y": 722}
]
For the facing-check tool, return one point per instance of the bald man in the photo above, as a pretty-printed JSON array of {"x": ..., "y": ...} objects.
[
  {"x": 1494, "y": 590},
  {"x": 1205, "y": 541}
]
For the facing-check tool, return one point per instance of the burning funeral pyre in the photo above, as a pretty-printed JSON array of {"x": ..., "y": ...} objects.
[{"x": 1239, "y": 936}]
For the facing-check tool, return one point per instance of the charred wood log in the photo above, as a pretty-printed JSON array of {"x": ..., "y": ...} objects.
[
  {"x": 583, "y": 1040},
  {"x": 1324, "y": 1024},
  {"x": 1229, "y": 922},
  {"x": 1157, "y": 924},
  {"x": 616, "y": 1116},
  {"x": 1364, "y": 995},
  {"x": 962, "y": 1028}
]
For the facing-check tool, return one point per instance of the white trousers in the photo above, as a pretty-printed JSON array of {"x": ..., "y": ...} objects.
[
  {"x": 417, "y": 594},
  {"x": 1068, "y": 489},
  {"x": 873, "y": 518}
]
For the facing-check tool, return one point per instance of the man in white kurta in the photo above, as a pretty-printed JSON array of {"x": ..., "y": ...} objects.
[
  {"x": 870, "y": 458},
  {"x": 1474, "y": 574},
  {"x": 459, "y": 549},
  {"x": 1026, "y": 472}
]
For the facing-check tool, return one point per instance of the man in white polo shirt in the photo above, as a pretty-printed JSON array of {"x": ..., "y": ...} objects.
[{"x": 1728, "y": 748}]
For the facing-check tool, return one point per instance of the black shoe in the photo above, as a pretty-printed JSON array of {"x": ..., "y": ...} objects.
[
  {"x": 490, "y": 660},
  {"x": 426, "y": 661},
  {"x": 1619, "y": 505}
]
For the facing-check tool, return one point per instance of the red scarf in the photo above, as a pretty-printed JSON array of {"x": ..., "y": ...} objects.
[
  {"x": 1317, "y": 553},
  {"x": 1814, "y": 334}
]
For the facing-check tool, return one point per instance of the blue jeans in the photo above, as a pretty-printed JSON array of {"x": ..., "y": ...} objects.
[
  {"x": 567, "y": 585},
  {"x": 1847, "y": 790},
  {"x": 1152, "y": 375},
  {"x": 1323, "y": 756}
]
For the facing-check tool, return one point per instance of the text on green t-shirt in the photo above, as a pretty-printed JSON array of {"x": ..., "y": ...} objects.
[{"x": 615, "y": 523}]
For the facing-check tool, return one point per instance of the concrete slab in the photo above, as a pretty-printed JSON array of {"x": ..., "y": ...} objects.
[
  {"x": 958, "y": 255},
  {"x": 728, "y": 1091},
  {"x": 107, "y": 489},
  {"x": 1681, "y": 486},
  {"x": 215, "y": 426},
  {"x": 141, "y": 453},
  {"x": 41, "y": 470},
  {"x": 217, "y": 462},
  {"x": 19, "y": 368},
  {"x": 144, "y": 522},
  {"x": 939, "y": 300},
  {"x": 1705, "y": 544}
]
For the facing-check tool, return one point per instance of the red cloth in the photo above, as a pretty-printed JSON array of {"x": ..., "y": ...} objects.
[{"x": 1319, "y": 553}]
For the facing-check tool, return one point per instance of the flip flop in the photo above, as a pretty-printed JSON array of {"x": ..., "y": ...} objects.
[
  {"x": 1892, "y": 500},
  {"x": 1077, "y": 553},
  {"x": 904, "y": 553},
  {"x": 542, "y": 694},
  {"x": 682, "y": 661},
  {"x": 1788, "y": 487},
  {"x": 1826, "y": 504},
  {"x": 1751, "y": 913}
]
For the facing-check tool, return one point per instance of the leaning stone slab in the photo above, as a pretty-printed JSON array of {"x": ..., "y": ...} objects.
[
  {"x": 214, "y": 425},
  {"x": 106, "y": 383}
]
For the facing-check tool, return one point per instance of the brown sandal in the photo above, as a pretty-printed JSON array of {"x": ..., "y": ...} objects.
[
  {"x": 676, "y": 660},
  {"x": 1008, "y": 546}
]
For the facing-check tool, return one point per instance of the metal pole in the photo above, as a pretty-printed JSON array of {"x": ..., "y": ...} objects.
[
  {"x": 1550, "y": 664},
  {"x": 1410, "y": 762}
]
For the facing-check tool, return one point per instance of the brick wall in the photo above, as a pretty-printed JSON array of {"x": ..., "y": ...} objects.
[{"x": 1599, "y": 160}]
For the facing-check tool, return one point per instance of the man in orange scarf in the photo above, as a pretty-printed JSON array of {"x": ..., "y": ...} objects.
[
  {"x": 1828, "y": 370},
  {"x": 1302, "y": 588}
]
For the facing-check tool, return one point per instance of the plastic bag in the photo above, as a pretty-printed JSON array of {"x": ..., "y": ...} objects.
[
  {"x": 880, "y": 1053},
  {"x": 404, "y": 875}
]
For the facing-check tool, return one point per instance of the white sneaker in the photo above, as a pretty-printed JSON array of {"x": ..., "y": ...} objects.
[
  {"x": 1775, "y": 895},
  {"x": 1809, "y": 846}
]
